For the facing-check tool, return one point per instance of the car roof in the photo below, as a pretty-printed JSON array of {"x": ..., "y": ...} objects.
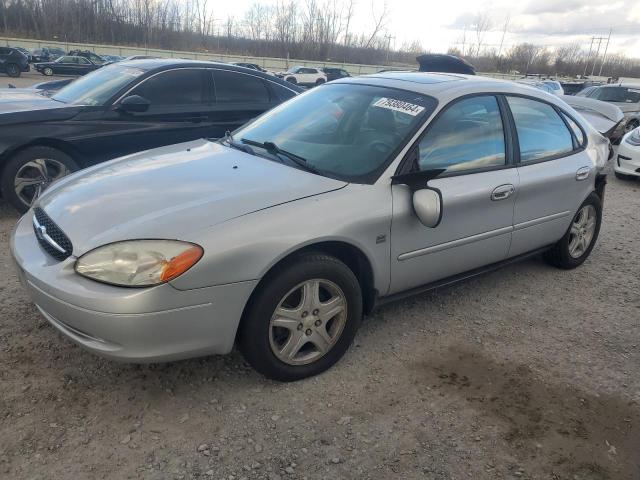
[
  {"x": 446, "y": 86},
  {"x": 159, "y": 64}
]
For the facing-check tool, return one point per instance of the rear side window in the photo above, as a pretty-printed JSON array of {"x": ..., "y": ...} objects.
[
  {"x": 281, "y": 93},
  {"x": 541, "y": 131},
  {"x": 175, "y": 87},
  {"x": 468, "y": 135},
  {"x": 4, "y": 51},
  {"x": 234, "y": 87}
]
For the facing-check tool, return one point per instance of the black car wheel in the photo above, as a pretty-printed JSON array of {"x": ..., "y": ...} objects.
[
  {"x": 320, "y": 81},
  {"x": 302, "y": 319},
  {"x": 12, "y": 70},
  {"x": 48, "y": 71},
  {"x": 291, "y": 80},
  {"x": 29, "y": 172}
]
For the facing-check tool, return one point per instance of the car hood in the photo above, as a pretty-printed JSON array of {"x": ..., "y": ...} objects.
[
  {"x": 22, "y": 105},
  {"x": 172, "y": 192},
  {"x": 602, "y": 115}
]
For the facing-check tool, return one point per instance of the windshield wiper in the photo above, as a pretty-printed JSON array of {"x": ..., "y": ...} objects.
[
  {"x": 238, "y": 146},
  {"x": 275, "y": 150}
]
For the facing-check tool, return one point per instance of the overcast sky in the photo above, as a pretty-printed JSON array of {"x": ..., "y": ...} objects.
[{"x": 440, "y": 24}]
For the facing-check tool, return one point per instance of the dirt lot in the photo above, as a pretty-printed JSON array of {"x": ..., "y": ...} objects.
[{"x": 529, "y": 372}]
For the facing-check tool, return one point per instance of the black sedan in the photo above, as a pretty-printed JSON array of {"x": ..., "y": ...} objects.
[
  {"x": 123, "y": 108},
  {"x": 67, "y": 65}
]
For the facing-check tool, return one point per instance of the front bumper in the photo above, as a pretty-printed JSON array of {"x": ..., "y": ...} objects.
[
  {"x": 153, "y": 324},
  {"x": 627, "y": 159}
]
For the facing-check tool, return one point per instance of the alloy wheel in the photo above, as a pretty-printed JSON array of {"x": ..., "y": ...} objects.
[
  {"x": 582, "y": 231},
  {"x": 308, "y": 322},
  {"x": 35, "y": 176}
]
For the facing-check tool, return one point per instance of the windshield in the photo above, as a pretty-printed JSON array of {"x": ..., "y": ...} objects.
[
  {"x": 98, "y": 87},
  {"x": 343, "y": 131}
]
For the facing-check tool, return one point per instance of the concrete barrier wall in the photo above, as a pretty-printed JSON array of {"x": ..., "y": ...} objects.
[{"x": 269, "y": 63}]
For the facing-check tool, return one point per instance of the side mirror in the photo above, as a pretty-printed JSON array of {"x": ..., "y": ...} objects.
[
  {"x": 427, "y": 202},
  {"x": 134, "y": 103},
  {"x": 428, "y": 207}
]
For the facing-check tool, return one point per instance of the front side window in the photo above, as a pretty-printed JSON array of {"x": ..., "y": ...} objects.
[
  {"x": 344, "y": 131},
  {"x": 99, "y": 86},
  {"x": 175, "y": 87},
  {"x": 616, "y": 94},
  {"x": 541, "y": 131},
  {"x": 83, "y": 61},
  {"x": 66, "y": 60},
  {"x": 234, "y": 87},
  {"x": 468, "y": 135}
]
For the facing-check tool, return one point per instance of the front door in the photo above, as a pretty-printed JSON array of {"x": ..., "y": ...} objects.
[
  {"x": 477, "y": 189},
  {"x": 179, "y": 111}
]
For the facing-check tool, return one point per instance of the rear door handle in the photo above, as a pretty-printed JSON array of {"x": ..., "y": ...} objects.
[
  {"x": 583, "y": 173},
  {"x": 502, "y": 192}
]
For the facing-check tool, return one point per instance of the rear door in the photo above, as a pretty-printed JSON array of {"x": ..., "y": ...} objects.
[
  {"x": 553, "y": 168},
  {"x": 239, "y": 97},
  {"x": 477, "y": 190}
]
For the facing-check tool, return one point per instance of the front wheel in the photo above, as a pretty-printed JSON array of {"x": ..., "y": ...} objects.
[
  {"x": 576, "y": 245},
  {"x": 292, "y": 80},
  {"x": 302, "y": 319},
  {"x": 320, "y": 81},
  {"x": 30, "y": 171},
  {"x": 13, "y": 70},
  {"x": 48, "y": 71}
]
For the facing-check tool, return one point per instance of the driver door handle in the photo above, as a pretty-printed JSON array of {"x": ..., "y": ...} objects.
[{"x": 502, "y": 192}]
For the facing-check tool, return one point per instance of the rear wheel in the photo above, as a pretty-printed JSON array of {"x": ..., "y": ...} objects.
[
  {"x": 303, "y": 318},
  {"x": 29, "y": 173},
  {"x": 576, "y": 245},
  {"x": 12, "y": 70}
]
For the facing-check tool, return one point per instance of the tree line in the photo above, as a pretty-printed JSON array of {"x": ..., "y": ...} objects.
[{"x": 321, "y": 30}]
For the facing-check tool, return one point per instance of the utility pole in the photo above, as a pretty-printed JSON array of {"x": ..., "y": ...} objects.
[
  {"x": 389, "y": 38},
  {"x": 586, "y": 62},
  {"x": 604, "y": 57},
  {"x": 595, "y": 59}
]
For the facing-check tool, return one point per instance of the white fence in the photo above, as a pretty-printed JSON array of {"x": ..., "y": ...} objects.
[{"x": 269, "y": 63}]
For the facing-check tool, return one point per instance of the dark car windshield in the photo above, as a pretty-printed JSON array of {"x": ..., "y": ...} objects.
[
  {"x": 98, "y": 87},
  {"x": 342, "y": 131}
]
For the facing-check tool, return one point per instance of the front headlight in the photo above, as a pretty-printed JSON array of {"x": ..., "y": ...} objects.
[
  {"x": 138, "y": 263},
  {"x": 633, "y": 138}
]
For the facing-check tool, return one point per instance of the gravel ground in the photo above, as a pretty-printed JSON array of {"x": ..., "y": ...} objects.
[
  {"x": 27, "y": 79},
  {"x": 529, "y": 372}
]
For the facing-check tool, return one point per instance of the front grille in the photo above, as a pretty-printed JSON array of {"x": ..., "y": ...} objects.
[{"x": 50, "y": 235}]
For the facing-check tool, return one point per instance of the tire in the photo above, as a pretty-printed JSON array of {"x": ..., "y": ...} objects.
[
  {"x": 292, "y": 80},
  {"x": 258, "y": 337},
  {"x": 560, "y": 254},
  {"x": 48, "y": 71},
  {"x": 320, "y": 81},
  {"x": 12, "y": 70},
  {"x": 38, "y": 166},
  {"x": 623, "y": 176}
]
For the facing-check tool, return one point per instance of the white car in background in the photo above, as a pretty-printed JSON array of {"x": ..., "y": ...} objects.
[
  {"x": 627, "y": 164},
  {"x": 555, "y": 86},
  {"x": 305, "y": 76}
]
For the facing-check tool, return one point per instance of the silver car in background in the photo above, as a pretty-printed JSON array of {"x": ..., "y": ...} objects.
[{"x": 280, "y": 237}]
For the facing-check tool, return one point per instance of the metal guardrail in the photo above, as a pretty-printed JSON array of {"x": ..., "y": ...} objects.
[{"x": 269, "y": 63}]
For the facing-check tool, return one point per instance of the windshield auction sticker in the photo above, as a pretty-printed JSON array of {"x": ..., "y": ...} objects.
[{"x": 399, "y": 106}]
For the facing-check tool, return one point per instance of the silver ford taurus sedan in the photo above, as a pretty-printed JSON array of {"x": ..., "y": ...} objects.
[{"x": 281, "y": 236}]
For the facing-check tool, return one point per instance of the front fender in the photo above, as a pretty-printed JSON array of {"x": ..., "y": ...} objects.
[{"x": 247, "y": 247}]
